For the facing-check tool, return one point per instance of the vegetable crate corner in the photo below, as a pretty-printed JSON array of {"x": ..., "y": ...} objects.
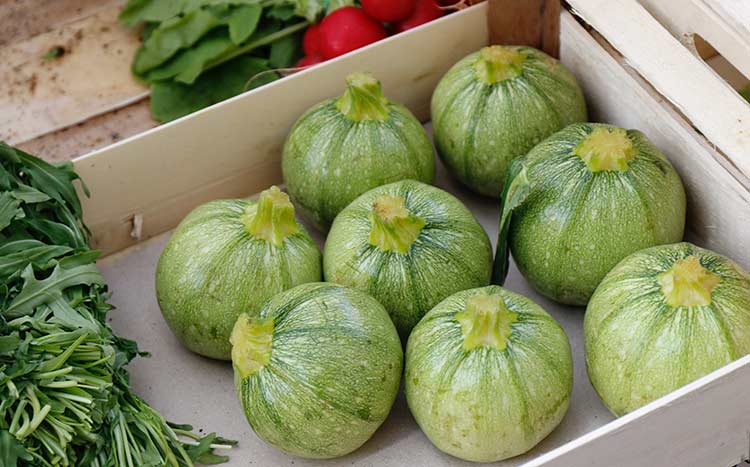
[{"x": 451, "y": 324}]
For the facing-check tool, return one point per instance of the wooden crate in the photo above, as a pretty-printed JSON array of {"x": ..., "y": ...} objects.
[{"x": 143, "y": 186}]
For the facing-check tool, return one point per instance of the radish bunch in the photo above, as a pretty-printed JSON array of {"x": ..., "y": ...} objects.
[{"x": 351, "y": 27}]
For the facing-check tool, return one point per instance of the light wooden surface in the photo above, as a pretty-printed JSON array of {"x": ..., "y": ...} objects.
[
  {"x": 526, "y": 22},
  {"x": 91, "y": 77},
  {"x": 708, "y": 102}
]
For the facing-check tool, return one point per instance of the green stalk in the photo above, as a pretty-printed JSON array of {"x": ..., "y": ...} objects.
[{"x": 250, "y": 46}]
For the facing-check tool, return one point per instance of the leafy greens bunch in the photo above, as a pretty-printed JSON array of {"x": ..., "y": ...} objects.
[
  {"x": 199, "y": 52},
  {"x": 65, "y": 399}
]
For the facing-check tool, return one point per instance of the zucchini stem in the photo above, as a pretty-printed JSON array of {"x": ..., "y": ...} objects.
[
  {"x": 394, "y": 228},
  {"x": 486, "y": 322},
  {"x": 499, "y": 63},
  {"x": 606, "y": 149},
  {"x": 252, "y": 339},
  {"x": 363, "y": 99},
  {"x": 272, "y": 217},
  {"x": 688, "y": 283}
]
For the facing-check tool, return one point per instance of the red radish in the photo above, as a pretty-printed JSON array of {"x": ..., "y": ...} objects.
[
  {"x": 388, "y": 11},
  {"x": 311, "y": 40},
  {"x": 424, "y": 12},
  {"x": 309, "y": 60},
  {"x": 347, "y": 29}
]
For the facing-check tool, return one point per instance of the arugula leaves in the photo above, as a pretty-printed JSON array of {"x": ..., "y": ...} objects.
[{"x": 65, "y": 397}]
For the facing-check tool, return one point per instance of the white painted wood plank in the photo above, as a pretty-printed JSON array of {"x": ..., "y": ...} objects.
[
  {"x": 703, "y": 424},
  {"x": 725, "y": 24},
  {"x": 708, "y": 102}
]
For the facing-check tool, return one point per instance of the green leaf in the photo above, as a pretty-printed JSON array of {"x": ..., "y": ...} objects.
[
  {"x": 9, "y": 209},
  {"x": 37, "y": 256},
  {"x": 170, "y": 100},
  {"x": 29, "y": 194},
  {"x": 11, "y": 450},
  {"x": 37, "y": 292},
  {"x": 517, "y": 189},
  {"x": 54, "y": 53},
  {"x": 745, "y": 92},
  {"x": 285, "y": 51},
  {"x": 335, "y": 4},
  {"x": 9, "y": 344},
  {"x": 172, "y": 36},
  {"x": 309, "y": 9},
  {"x": 138, "y": 11},
  {"x": 243, "y": 21},
  {"x": 54, "y": 180},
  {"x": 281, "y": 12}
]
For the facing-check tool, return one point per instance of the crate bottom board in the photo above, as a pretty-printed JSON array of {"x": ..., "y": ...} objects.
[{"x": 187, "y": 388}]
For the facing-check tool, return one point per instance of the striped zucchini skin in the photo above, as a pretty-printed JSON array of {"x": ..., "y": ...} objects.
[
  {"x": 639, "y": 348},
  {"x": 329, "y": 159},
  {"x": 487, "y": 404},
  {"x": 451, "y": 253},
  {"x": 479, "y": 128},
  {"x": 333, "y": 374},
  {"x": 211, "y": 270},
  {"x": 576, "y": 225}
]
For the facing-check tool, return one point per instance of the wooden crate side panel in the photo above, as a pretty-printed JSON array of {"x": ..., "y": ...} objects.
[
  {"x": 723, "y": 23},
  {"x": 693, "y": 87},
  {"x": 703, "y": 424},
  {"x": 233, "y": 149},
  {"x": 718, "y": 204}
]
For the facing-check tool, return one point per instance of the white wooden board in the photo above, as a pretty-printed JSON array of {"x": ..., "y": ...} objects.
[{"x": 708, "y": 102}]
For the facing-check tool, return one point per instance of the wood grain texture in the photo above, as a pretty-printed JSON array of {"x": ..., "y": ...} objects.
[
  {"x": 91, "y": 77},
  {"x": 94, "y": 133},
  {"x": 23, "y": 19},
  {"x": 526, "y": 22},
  {"x": 725, "y": 24},
  {"x": 707, "y": 101}
]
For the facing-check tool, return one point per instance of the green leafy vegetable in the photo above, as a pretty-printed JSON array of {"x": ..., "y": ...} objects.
[
  {"x": 65, "y": 398},
  {"x": 183, "y": 40},
  {"x": 170, "y": 100}
]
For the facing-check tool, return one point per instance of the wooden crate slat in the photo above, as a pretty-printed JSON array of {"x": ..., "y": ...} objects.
[{"x": 708, "y": 102}]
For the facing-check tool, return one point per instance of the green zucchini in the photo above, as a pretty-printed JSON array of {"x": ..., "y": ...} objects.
[
  {"x": 494, "y": 105},
  {"x": 409, "y": 245},
  {"x": 228, "y": 257},
  {"x": 488, "y": 374},
  {"x": 345, "y": 146},
  {"x": 580, "y": 202},
  {"x": 317, "y": 369},
  {"x": 664, "y": 317}
]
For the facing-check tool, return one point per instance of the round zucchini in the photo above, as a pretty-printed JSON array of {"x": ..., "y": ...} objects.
[
  {"x": 494, "y": 106},
  {"x": 488, "y": 374},
  {"x": 584, "y": 199},
  {"x": 228, "y": 257},
  {"x": 409, "y": 245},
  {"x": 345, "y": 146},
  {"x": 662, "y": 318},
  {"x": 317, "y": 370}
]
